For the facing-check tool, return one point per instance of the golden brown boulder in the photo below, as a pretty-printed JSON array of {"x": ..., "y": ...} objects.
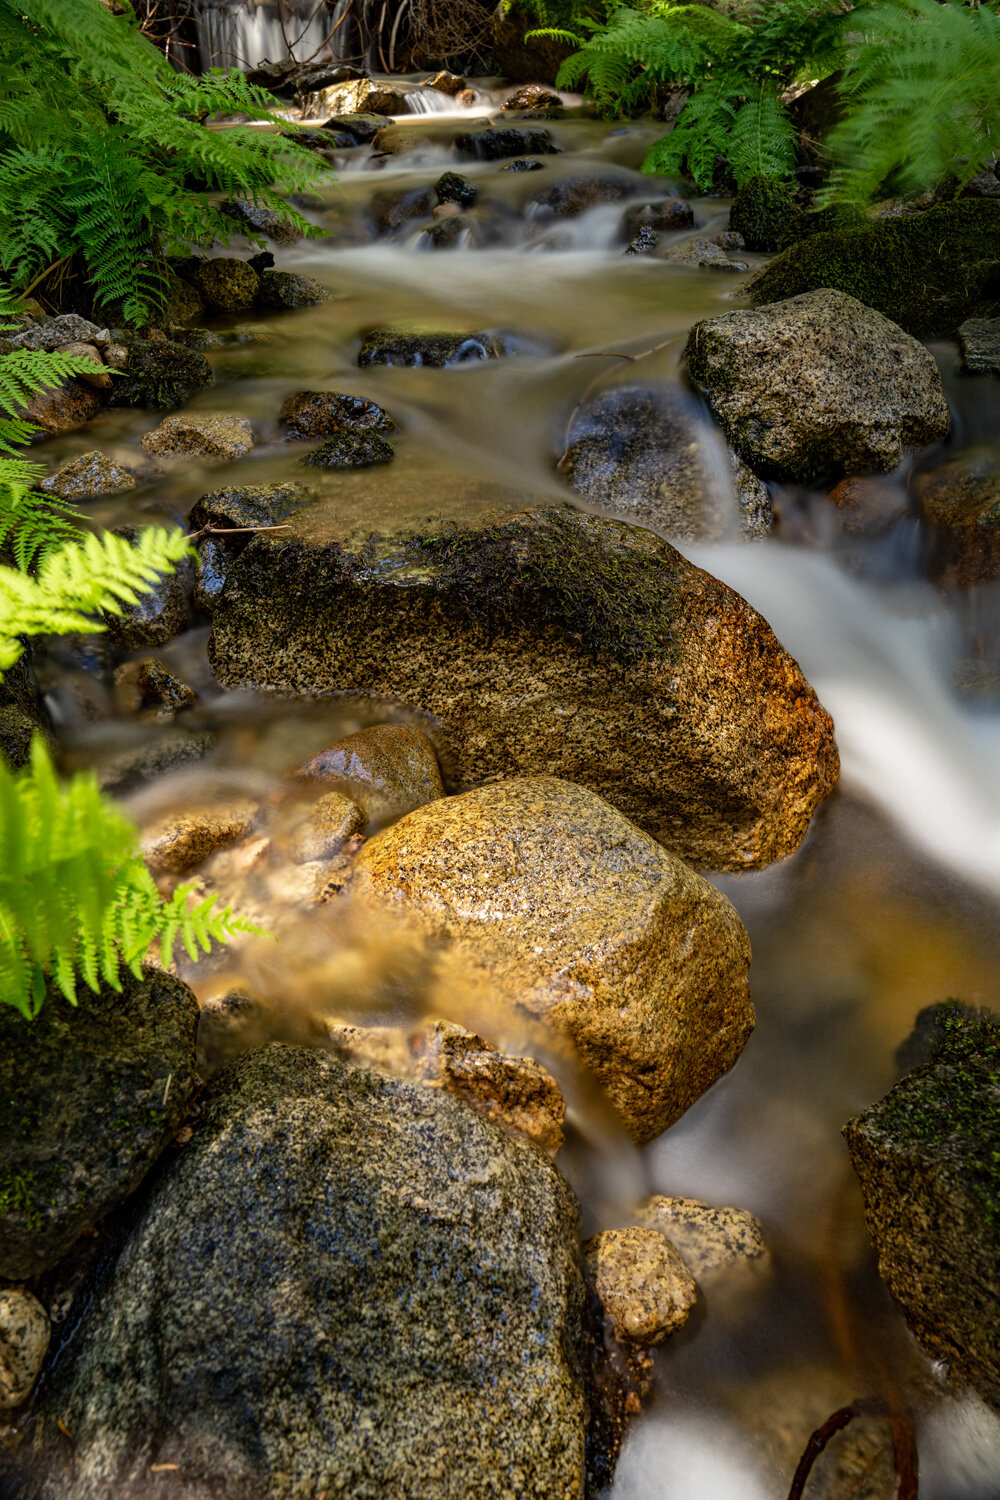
[
  {"x": 582, "y": 921},
  {"x": 545, "y": 641},
  {"x": 644, "y": 1286},
  {"x": 387, "y": 769}
]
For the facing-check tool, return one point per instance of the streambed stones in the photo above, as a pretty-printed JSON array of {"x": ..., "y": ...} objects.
[
  {"x": 345, "y": 1282},
  {"x": 819, "y": 384},
  {"x": 547, "y": 641},
  {"x": 581, "y": 921}
]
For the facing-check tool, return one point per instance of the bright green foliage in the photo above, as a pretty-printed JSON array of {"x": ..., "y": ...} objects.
[
  {"x": 105, "y": 153},
  {"x": 77, "y": 583},
  {"x": 922, "y": 96},
  {"x": 737, "y": 71},
  {"x": 76, "y": 900}
]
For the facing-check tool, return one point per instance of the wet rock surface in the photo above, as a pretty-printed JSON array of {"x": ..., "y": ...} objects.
[
  {"x": 961, "y": 499},
  {"x": 682, "y": 709},
  {"x": 24, "y": 1338},
  {"x": 200, "y": 435},
  {"x": 312, "y": 414},
  {"x": 576, "y": 918},
  {"x": 645, "y": 1288},
  {"x": 64, "y": 407},
  {"x": 227, "y": 283},
  {"x": 158, "y": 614},
  {"x": 89, "y": 1097},
  {"x": 351, "y": 450},
  {"x": 398, "y": 346},
  {"x": 795, "y": 399},
  {"x": 661, "y": 215},
  {"x": 979, "y": 346},
  {"x": 403, "y": 1322},
  {"x": 709, "y": 1239},
  {"x": 574, "y": 195},
  {"x": 92, "y": 473},
  {"x": 289, "y": 289},
  {"x": 495, "y": 144},
  {"x": 387, "y": 769},
  {"x": 178, "y": 842},
  {"x": 926, "y": 1158},
  {"x": 161, "y": 373}
]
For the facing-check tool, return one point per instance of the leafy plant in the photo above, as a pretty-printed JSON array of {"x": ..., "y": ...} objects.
[
  {"x": 737, "y": 71},
  {"x": 921, "y": 99},
  {"x": 76, "y": 901},
  {"x": 107, "y": 155}
]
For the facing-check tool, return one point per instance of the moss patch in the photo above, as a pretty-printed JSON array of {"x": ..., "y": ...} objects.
[
  {"x": 927, "y": 271},
  {"x": 765, "y": 213}
]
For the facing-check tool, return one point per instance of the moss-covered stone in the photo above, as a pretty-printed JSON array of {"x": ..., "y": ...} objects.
[
  {"x": 928, "y": 1157},
  {"x": 764, "y": 212},
  {"x": 227, "y": 283},
  {"x": 351, "y": 450},
  {"x": 403, "y": 346},
  {"x": 287, "y": 289},
  {"x": 547, "y": 641},
  {"x": 313, "y": 414},
  {"x": 928, "y": 272},
  {"x": 161, "y": 373}
]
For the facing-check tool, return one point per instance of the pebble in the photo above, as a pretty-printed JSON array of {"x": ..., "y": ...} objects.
[{"x": 24, "y": 1339}]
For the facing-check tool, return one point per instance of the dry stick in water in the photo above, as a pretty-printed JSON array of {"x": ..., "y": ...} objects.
[
  {"x": 903, "y": 1443},
  {"x": 606, "y": 354},
  {"x": 194, "y": 536}
]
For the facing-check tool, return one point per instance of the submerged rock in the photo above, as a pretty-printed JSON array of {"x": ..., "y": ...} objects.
[
  {"x": 710, "y": 1239},
  {"x": 926, "y": 1157},
  {"x": 549, "y": 641},
  {"x": 404, "y": 1320},
  {"x": 24, "y": 1338},
  {"x": 288, "y": 289},
  {"x": 388, "y": 769},
  {"x": 494, "y": 144},
  {"x": 88, "y": 474},
  {"x": 392, "y": 207},
  {"x": 524, "y": 164},
  {"x": 177, "y": 842},
  {"x": 398, "y": 346},
  {"x": 89, "y": 1097},
  {"x": 574, "y": 195},
  {"x": 818, "y": 384},
  {"x": 312, "y": 414},
  {"x": 330, "y": 822},
  {"x": 928, "y": 272},
  {"x": 961, "y": 499},
  {"x": 658, "y": 216},
  {"x": 577, "y": 918},
  {"x": 200, "y": 435},
  {"x": 979, "y": 345},
  {"x": 645, "y": 1288},
  {"x": 351, "y": 450},
  {"x": 157, "y": 685},
  {"x": 246, "y": 506},
  {"x": 159, "y": 612},
  {"x": 161, "y": 372}
]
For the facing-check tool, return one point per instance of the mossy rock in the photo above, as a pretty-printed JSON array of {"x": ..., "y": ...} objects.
[
  {"x": 610, "y": 661},
  {"x": 765, "y": 213},
  {"x": 161, "y": 374},
  {"x": 351, "y": 450},
  {"x": 227, "y": 284},
  {"x": 928, "y": 272},
  {"x": 928, "y": 1160}
]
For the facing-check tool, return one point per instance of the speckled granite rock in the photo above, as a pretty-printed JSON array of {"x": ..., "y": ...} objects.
[
  {"x": 640, "y": 451},
  {"x": 92, "y": 473},
  {"x": 227, "y": 284},
  {"x": 387, "y": 769},
  {"x": 979, "y": 345},
  {"x": 326, "y": 827},
  {"x": 961, "y": 499},
  {"x": 709, "y": 1239},
  {"x": 817, "y": 384},
  {"x": 403, "y": 1321},
  {"x": 644, "y": 1286},
  {"x": 312, "y": 414},
  {"x": 24, "y": 1338},
  {"x": 200, "y": 435},
  {"x": 547, "y": 641},
  {"x": 176, "y": 842},
  {"x": 579, "y": 919},
  {"x": 88, "y": 1099},
  {"x": 64, "y": 407},
  {"x": 926, "y": 1157},
  {"x": 235, "y": 514}
]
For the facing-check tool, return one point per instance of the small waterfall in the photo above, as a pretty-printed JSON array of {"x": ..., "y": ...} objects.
[
  {"x": 430, "y": 102},
  {"x": 245, "y": 33}
]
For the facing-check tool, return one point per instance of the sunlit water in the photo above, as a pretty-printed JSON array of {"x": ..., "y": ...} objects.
[{"x": 892, "y": 901}]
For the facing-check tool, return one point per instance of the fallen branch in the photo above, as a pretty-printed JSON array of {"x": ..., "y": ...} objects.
[{"x": 903, "y": 1443}]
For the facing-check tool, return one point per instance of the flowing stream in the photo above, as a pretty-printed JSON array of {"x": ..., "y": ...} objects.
[{"x": 890, "y": 904}]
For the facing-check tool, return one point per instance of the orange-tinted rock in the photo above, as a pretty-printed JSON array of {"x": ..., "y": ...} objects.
[{"x": 388, "y": 769}]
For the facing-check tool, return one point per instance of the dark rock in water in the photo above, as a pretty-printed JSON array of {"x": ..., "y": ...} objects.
[
  {"x": 453, "y": 188},
  {"x": 227, "y": 284},
  {"x": 158, "y": 614},
  {"x": 519, "y": 60},
  {"x": 533, "y": 96},
  {"x": 979, "y": 345},
  {"x": 22, "y": 712},
  {"x": 362, "y": 127},
  {"x": 390, "y": 208},
  {"x": 494, "y": 144},
  {"x": 523, "y": 164},
  {"x": 574, "y": 195},
  {"x": 351, "y": 450},
  {"x": 214, "y": 557},
  {"x": 89, "y": 1097},
  {"x": 661, "y": 215},
  {"x": 143, "y": 762},
  {"x": 157, "y": 685},
  {"x": 961, "y": 499},
  {"x": 161, "y": 374},
  {"x": 287, "y": 289},
  {"x": 323, "y": 76},
  {"x": 643, "y": 243},
  {"x": 765, "y": 213},
  {"x": 639, "y": 451},
  {"x": 820, "y": 384},
  {"x": 611, "y": 661},
  {"x": 456, "y": 230},
  {"x": 928, "y": 271},
  {"x": 311, "y": 414},
  {"x": 261, "y": 220},
  {"x": 404, "y": 1320},
  {"x": 926, "y": 1156},
  {"x": 396, "y": 346},
  {"x": 247, "y": 505},
  {"x": 89, "y": 474}
]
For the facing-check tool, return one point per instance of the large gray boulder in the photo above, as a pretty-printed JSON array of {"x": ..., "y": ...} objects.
[
  {"x": 545, "y": 641},
  {"x": 346, "y": 1284},
  {"x": 927, "y": 1159},
  {"x": 89, "y": 1097},
  {"x": 819, "y": 384}
]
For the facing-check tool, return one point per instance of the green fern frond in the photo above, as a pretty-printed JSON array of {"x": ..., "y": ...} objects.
[{"x": 76, "y": 901}]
